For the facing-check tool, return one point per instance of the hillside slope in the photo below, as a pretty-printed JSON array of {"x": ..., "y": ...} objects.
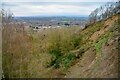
[
  {"x": 62, "y": 53},
  {"x": 100, "y": 60}
]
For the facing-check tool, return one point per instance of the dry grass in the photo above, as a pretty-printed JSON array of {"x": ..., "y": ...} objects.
[{"x": 25, "y": 53}]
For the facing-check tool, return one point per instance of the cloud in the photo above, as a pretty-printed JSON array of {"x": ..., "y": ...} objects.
[
  {"x": 58, "y": 0},
  {"x": 51, "y": 8}
]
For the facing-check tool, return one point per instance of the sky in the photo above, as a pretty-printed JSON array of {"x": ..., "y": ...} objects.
[{"x": 52, "y": 7}]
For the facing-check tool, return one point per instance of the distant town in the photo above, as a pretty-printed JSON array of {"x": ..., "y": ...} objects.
[{"x": 38, "y": 23}]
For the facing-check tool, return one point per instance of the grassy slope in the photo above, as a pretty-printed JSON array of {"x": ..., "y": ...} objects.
[
  {"x": 65, "y": 52},
  {"x": 104, "y": 51}
]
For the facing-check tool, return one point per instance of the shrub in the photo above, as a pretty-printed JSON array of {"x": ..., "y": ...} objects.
[
  {"x": 56, "y": 54},
  {"x": 75, "y": 41},
  {"x": 67, "y": 60},
  {"x": 59, "y": 60}
]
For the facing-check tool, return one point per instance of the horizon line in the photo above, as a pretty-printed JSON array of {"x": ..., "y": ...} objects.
[{"x": 55, "y": 16}]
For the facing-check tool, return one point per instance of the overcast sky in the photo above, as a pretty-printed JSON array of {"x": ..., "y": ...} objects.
[{"x": 52, "y": 7}]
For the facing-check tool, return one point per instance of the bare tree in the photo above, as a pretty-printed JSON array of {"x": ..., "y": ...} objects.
[
  {"x": 105, "y": 11},
  {"x": 7, "y": 16}
]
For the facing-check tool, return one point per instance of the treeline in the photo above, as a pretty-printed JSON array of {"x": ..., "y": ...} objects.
[{"x": 104, "y": 12}]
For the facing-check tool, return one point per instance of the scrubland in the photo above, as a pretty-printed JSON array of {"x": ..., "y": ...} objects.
[{"x": 60, "y": 52}]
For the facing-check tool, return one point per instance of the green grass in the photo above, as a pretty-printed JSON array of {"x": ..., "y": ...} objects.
[
  {"x": 67, "y": 60},
  {"x": 64, "y": 61},
  {"x": 59, "y": 59},
  {"x": 76, "y": 41},
  {"x": 102, "y": 40},
  {"x": 98, "y": 45}
]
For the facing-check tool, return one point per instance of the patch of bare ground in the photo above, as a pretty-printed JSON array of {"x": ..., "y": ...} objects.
[
  {"x": 107, "y": 25},
  {"x": 109, "y": 64},
  {"x": 77, "y": 70},
  {"x": 110, "y": 20},
  {"x": 91, "y": 67}
]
